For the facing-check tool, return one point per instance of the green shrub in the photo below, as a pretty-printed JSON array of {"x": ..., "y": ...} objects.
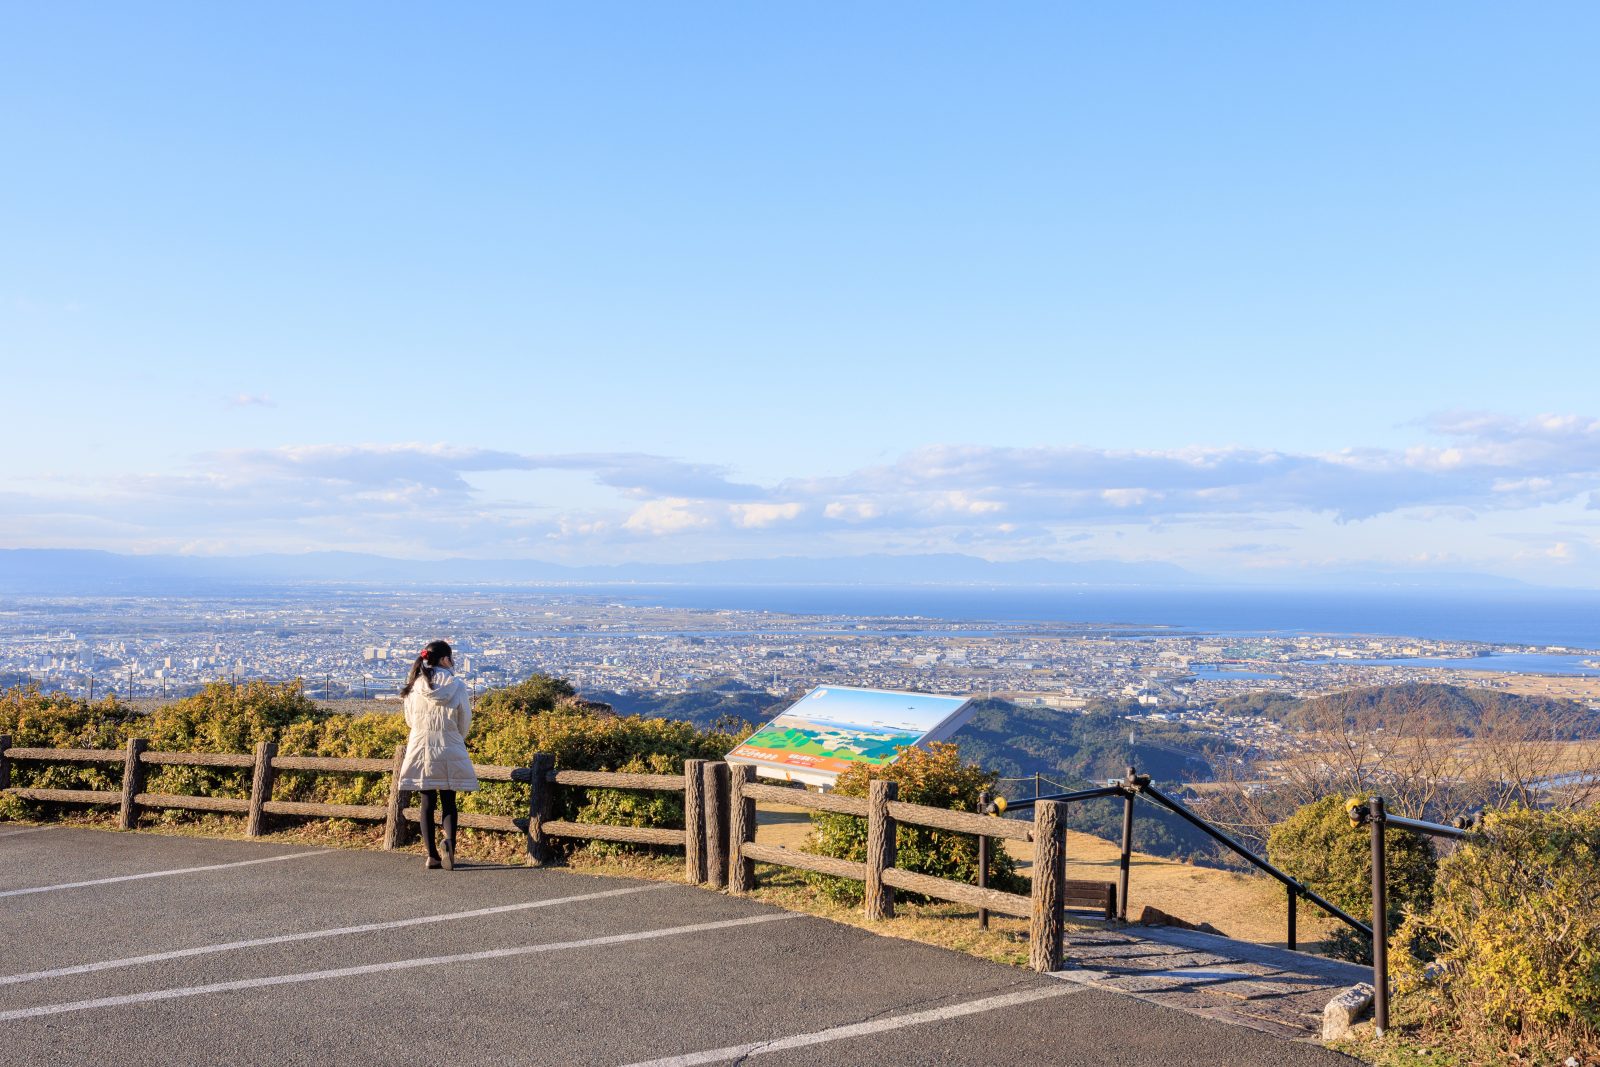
[
  {"x": 1319, "y": 846},
  {"x": 509, "y": 726},
  {"x": 534, "y": 695},
  {"x": 1515, "y": 927},
  {"x": 932, "y": 776},
  {"x": 51, "y": 720}
]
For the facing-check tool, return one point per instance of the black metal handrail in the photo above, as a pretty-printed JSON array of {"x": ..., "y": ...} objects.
[
  {"x": 1000, "y": 805},
  {"x": 1372, "y": 813},
  {"x": 1375, "y": 814},
  {"x": 1294, "y": 886},
  {"x": 1135, "y": 785}
]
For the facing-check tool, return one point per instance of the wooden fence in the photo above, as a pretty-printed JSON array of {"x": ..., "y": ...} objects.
[
  {"x": 884, "y": 813},
  {"x": 718, "y": 840}
]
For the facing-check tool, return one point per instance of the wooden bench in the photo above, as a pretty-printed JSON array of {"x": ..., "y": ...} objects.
[{"x": 1093, "y": 896}]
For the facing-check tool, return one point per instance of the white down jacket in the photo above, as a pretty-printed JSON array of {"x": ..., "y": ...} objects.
[{"x": 436, "y": 752}]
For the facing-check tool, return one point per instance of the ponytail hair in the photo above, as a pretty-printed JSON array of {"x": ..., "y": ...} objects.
[{"x": 426, "y": 663}]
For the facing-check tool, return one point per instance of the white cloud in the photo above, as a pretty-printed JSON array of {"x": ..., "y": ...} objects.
[
  {"x": 755, "y": 516},
  {"x": 857, "y": 510},
  {"x": 670, "y": 516}
]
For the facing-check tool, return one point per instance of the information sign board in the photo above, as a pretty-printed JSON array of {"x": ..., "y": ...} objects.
[{"x": 834, "y": 727}]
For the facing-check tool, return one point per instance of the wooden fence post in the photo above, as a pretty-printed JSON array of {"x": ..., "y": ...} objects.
[
  {"x": 880, "y": 847},
  {"x": 694, "y": 821},
  {"x": 5, "y": 762},
  {"x": 741, "y": 828},
  {"x": 394, "y": 816},
  {"x": 1049, "y": 884},
  {"x": 132, "y": 783},
  {"x": 714, "y": 776},
  {"x": 260, "y": 786},
  {"x": 541, "y": 790},
  {"x": 983, "y": 861}
]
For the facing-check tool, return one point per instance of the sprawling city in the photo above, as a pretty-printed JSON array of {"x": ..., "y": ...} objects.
[{"x": 355, "y": 646}]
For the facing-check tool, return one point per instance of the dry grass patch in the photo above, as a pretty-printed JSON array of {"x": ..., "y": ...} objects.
[{"x": 1244, "y": 906}]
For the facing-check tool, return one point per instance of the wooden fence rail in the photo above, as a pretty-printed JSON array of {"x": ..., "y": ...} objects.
[
  {"x": 718, "y": 838},
  {"x": 879, "y": 874},
  {"x": 265, "y": 764}
]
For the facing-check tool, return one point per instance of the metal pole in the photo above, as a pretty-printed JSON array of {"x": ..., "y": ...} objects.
[
  {"x": 1380, "y": 922},
  {"x": 1125, "y": 861},
  {"x": 1071, "y": 798},
  {"x": 1036, "y": 789},
  {"x": 1455, "y": 833},
  {"x": 1292, "y": 941},
  {"x": 983, "y": 863}
]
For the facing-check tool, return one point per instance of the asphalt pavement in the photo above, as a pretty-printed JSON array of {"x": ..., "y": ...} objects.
[{"x": 138, "y": 948}]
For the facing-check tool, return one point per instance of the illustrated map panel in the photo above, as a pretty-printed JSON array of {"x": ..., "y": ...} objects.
[{"x": 833, "y": 727}]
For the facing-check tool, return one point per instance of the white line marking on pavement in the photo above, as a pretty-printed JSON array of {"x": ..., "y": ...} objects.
[
  {"x": 312, "y": 935},
  {"x": 843, "y": 1033},
  {"x": 377, "y": 968},
  {"x": 25, "y": 830},
  {"x": 159, "y": 874}
]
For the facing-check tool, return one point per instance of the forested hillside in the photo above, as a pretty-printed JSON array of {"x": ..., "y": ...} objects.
[
  {"x": 1460, "y": 710},
  {"x": 722, "y": 706}
]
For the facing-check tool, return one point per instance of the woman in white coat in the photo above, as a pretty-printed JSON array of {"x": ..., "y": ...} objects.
[{"x": 436, "y": 763}]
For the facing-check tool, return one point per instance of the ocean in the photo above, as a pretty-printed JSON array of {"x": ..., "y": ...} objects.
[{"x": 1536, "y": 617}]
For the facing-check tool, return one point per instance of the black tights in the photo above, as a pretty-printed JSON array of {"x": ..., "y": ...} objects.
[{"x": 447, "y": 804}]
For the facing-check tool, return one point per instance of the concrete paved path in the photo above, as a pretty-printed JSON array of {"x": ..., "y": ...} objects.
[
  {"x": 1267, "y": 989},
  {"x": 145, "y": 949}
]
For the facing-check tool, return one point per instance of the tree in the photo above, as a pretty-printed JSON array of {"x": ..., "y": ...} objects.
[
  {"x": 1432, "y": 751},
  {"x": 534, "y": 695}
]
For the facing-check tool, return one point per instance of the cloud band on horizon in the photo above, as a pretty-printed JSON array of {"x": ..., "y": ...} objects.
[{"x": 416, "y": 498}]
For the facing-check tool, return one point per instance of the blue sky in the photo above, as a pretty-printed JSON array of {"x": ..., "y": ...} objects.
[{"x": 1257, "y": 290}]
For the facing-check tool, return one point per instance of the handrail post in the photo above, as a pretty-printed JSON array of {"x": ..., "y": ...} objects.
[
  {"x": 1380, "y": 920},
  {"x": 5, "y": 762},
  {"x": 260, "y": 787},
  {"x": 1045, "y": 931},
  {"x": 1125, "y": 859},
  {"x": 541, "y": 791},
  {"x": 694, "y": 821},
  {"x": 132, "y": 783},
  {"x": 983, "y": 861},
  {"x": 881, "y": 851},
  {"x": 741, "y": 828},
  {"x": 714, "y": 775},
  {"x": 394, "y": 822},
  {"x": 1291, "y": 940}
]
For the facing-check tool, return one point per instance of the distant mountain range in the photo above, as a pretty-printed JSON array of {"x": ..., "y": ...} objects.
[{"x": 82, "y": 572}]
